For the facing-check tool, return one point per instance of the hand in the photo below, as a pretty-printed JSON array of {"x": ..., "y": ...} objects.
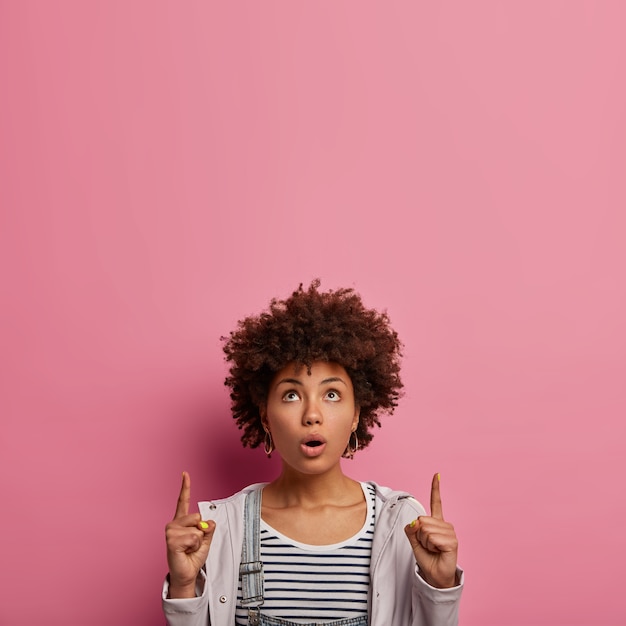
[
  {"x": 434, "y": 543},
  {"x": 188, "y": 541}
]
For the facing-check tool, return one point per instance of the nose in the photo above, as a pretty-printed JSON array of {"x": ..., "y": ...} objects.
[{"x": 312, "y": 414}]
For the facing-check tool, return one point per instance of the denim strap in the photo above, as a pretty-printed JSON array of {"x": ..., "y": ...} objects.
[{"x": 251, "y": 567}]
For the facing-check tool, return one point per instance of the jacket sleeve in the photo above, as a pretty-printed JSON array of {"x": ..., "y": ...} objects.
[
  {"x": 435, "y": 607},
  {"x": 187, "y": 611},
  {"x": 400, "y": 596}
]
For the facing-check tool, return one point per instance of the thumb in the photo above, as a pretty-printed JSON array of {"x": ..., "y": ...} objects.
[
  {"x": 411, "y": 530},
  {"x": 208, "y": 528}
]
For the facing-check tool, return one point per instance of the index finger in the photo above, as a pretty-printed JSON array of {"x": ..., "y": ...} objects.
[
  {"x": 182, "y": 506},
  {"x": 436, "y": 510}
]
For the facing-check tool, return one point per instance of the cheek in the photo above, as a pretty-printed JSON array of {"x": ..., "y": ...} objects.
[
  {"x": 344, "y": 420},
  {"x": 281, "y": 421}
]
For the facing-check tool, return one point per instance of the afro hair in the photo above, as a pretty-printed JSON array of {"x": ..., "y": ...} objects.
[{"x": 314, "y": 326}]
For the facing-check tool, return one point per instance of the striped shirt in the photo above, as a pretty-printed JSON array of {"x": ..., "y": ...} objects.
[{"x": 304, "y": 583}]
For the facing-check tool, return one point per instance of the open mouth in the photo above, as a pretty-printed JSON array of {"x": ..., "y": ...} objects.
[{"x": 313, "y": 445}]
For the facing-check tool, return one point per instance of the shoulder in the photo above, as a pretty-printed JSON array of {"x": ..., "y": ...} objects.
[
  {"x": 389, "y": 499},
  {"x": 215, "y": 509}
]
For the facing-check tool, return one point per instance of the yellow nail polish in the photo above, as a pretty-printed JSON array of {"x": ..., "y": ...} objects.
[
  {"x": 204, "y": 525},
  {"x": 413, "y": 523},
  {"x": 438, "y": 477}
]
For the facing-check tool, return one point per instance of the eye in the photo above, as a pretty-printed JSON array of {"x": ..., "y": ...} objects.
[
  {"x": 290, "y": 396},
  {"x": 333, "y": 395}
]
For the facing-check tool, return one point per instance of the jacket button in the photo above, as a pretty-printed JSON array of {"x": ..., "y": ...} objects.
[{"x": 223, "y": 599}]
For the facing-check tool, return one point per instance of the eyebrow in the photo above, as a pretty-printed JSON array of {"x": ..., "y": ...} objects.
[{"x": 326, "y": 381}]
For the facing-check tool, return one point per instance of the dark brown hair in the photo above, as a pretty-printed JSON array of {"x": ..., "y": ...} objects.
[{"x": 314, "y": 326}]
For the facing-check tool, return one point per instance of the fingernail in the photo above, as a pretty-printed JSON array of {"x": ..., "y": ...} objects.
[
  {"x": 204, "y": 525},
  {"x": 438, "y": 477},
  {"x": 412, "y": 524}
]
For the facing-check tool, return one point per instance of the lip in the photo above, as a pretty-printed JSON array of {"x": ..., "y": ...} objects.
[{"x": 310, "y": 451}]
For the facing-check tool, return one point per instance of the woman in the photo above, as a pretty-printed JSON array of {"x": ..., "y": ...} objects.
[{"x": 308, "y": 380}]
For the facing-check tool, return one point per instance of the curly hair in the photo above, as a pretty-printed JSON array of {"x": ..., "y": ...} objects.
[{"x": 314, "y": 326}]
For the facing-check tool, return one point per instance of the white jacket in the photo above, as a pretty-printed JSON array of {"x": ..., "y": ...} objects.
[{"x": 398, "y": 596}]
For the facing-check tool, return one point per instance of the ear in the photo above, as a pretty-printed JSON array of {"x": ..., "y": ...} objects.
[
  {"x": 357, "y": 415},
  {"x": 263, "y": 416}
]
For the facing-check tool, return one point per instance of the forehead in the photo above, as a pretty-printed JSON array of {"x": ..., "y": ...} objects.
[{"x": 319, "y": 371}]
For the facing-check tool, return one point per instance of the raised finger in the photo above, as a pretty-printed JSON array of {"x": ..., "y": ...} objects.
[
  {"x": 436, "y": 509},
  {"x": 182, "y": 506}
]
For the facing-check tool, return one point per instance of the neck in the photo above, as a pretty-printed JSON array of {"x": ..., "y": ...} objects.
[{"x": 293, "y": 487}]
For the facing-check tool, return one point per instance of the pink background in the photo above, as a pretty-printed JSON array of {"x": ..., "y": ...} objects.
[{"x": 168, "y": 167}]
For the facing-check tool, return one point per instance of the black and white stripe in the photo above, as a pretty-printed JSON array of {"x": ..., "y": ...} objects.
[{"x": 305, "y": 583}]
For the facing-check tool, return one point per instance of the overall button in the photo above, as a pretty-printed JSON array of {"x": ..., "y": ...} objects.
[{"x": 223, "y": 599}]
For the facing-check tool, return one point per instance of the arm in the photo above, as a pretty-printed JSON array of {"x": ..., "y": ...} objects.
[
  {"x": 435, "y": 607},
  {"x": 188, "y": 538},
  {"x": 437, "y": 581},
  {"x": 187, "y": 611}
]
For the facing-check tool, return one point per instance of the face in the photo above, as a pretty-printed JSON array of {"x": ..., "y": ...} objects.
[{"x": 311, "y": 416}]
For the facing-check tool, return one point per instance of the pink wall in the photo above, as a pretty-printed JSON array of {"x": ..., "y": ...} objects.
[{"x": 167, "y": 167}]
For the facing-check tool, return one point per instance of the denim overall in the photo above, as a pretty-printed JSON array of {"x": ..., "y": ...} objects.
[{"x": 251, "y": 572}]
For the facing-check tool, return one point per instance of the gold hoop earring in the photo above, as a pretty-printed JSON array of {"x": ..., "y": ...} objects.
[
  {"x": 351, "y": 449},
  {"x": 268, "y": 443}
]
